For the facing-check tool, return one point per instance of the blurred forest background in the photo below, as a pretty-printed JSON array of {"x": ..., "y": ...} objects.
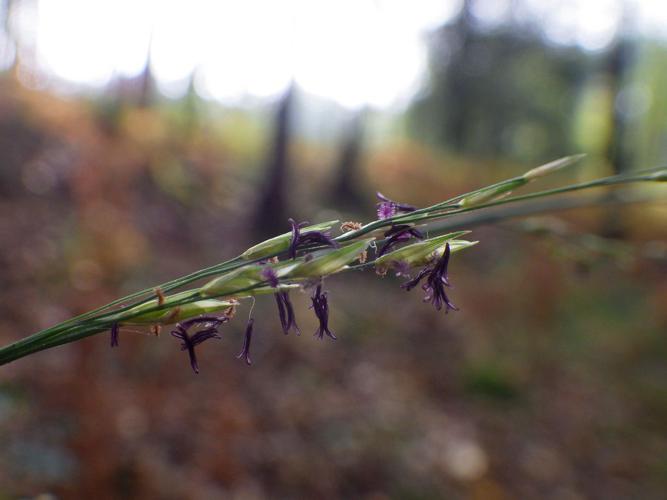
[{"x": 141, "y": 141}]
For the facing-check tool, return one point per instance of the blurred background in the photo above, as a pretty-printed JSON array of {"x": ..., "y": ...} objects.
[{"x": 142, "y": 140}]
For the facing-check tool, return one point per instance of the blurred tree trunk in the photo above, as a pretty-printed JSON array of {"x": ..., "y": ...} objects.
[
  {"x": 345, "y": 188},
  {"x": 190, "y": 109},
  {"x": 459, "y": 91},
  {"x": 137, "y": 91},
  {"x": 271, "y": 213},
  {"x": 619, "y": 66},
  {"x": 618, "y": 69},
  {"x": 145, "y": 86}
]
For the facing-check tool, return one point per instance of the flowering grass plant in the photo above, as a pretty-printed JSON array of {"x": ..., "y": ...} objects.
[{"x": 400, "y": 240}]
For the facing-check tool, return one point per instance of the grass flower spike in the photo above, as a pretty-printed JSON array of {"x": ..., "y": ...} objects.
[{"x": 301, "y": 259}]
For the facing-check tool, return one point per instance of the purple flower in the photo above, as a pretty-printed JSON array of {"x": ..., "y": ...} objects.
[
  {"x": 286, "y": 312},
  {"x": 299, "y": 239},
  {"x": 399, "y": 234},
  {"x": 245, "y": 350},
  {"x": 209, "y": 330},
  {"x": 114, "y": 335},
  {"x": 269, "y": 274},
  {"x": 388, "y": 208},
  {"x": 385, "y": 210},
  {"x": 321, "y": 308},
  {"x": 436, "y": 281}
]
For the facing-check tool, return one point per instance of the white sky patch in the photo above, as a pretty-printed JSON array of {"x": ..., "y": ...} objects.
[
  {"x": 490, "y": 13},
  {"x": 246, "y": 51},
  {"x": 592, "y": 24},
  {"x": 88, "y": 41},
  {"x": 651, "y": 17},
  {"x": 356, "y": 52}
]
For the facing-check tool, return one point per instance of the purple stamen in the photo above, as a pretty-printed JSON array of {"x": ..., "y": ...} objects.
[
  {"x": 436, "y": 281},
  {"x": 286, "y": 312},
  {"x": 210, "y": 326},
  {"x": 114, "y": 335},
  {"x": 321, "y": 308},
  {"x": 410, "y": 284},
  {"x": 282, "y": 312},
  {"x": 245, "y": 350},
  {"x": 291, "y": 317}
]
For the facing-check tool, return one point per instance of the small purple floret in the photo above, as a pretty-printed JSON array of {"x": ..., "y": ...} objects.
[
  {"x": 300, "y": 240},
  {"x": 245, "y": 350},
  {"x": 388, "y": 208},
  {"x": 321, "y": 308},
  {"x": 209, "y": 330},
  {"x": 385, "y": 210},
  {"x": 436, "y": 281}
]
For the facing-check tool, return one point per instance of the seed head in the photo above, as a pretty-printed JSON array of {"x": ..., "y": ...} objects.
[
  {"x": 332, "y": 261},
  {"x": 421, "y": 252},
  {"x": 280, "y": 243},
  {"x": 552, "y": 166}
]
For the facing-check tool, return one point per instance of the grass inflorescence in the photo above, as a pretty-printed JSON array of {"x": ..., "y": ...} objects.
[{"x": 412, "y": 242}]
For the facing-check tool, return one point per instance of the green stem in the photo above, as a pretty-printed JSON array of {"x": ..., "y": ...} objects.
[{"x": 38, "y": 342}]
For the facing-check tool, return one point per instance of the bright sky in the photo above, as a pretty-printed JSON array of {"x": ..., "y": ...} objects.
[{"x": 356, "y": 52}]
